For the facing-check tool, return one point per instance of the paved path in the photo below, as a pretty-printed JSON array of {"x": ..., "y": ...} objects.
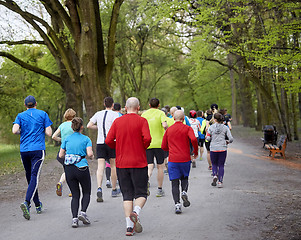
[{"x": 240, "y": 210}]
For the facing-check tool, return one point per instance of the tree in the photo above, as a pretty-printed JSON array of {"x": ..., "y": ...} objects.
[{"x": 75, "y": 39}]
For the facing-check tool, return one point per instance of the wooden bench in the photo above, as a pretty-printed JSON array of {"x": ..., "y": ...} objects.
[{"x": 279, "y": 148}]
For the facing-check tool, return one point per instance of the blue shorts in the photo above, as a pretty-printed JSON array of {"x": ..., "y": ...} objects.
[{"x": 178, "y": 170}]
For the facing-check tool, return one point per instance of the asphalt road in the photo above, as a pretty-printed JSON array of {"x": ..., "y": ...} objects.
[{"x": 243, "y": 209}]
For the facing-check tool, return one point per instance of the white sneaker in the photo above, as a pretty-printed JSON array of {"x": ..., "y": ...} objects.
[
  {"x": 186, "y": 202},
  {"x": 83, "y": 217},
  {"x": 178, "y": 209},
  {"x": 160, "y": 193},
  {"x": 220, "y": 185},
  {"x": 74, "y": 222},
  {"x": 214, "y": 181}
]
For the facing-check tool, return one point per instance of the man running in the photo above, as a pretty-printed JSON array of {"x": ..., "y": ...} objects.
[
  {"x": 157, "y": 124},
  {"x": 132, "y": 136},
  {"x": 102, "y": 121},
  {"x": 32, "y": 125},
  {"x": 176, "y": 140}
]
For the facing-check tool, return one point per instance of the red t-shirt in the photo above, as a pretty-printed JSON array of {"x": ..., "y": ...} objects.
[
  {"x": 132, "y": 136},
  {"x": 176, "y": 141}
]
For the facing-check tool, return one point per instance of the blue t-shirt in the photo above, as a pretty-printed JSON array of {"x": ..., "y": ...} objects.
[
  {"x": 33, "y": 123},
  {"x": 66, "y": 130},
  {"x": 77, "y": 143},
  {"x": 201, "y": 136}
]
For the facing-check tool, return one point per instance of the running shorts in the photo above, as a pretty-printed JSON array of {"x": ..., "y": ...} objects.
[
  {"x": 201, "y": 142},
  {"x": 178, "y": 170},
  {"x": 207, "y": 145},
  {"x": 104, "y": 151},
  {"x": 155, "y": 152},
  {"x": 133, "y": 182}
]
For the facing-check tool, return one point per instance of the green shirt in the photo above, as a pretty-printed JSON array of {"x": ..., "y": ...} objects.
[{"x": 155, "y": 118}]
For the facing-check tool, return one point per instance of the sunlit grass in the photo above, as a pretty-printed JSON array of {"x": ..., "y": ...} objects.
[{"x": 10, "y": 159}]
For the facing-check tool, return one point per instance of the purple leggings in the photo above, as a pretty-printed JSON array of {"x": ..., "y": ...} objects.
[{"x": 218, "y": 161}]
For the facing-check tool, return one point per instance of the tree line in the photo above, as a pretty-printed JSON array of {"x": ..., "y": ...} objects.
[{"x": 243, "y": 55}]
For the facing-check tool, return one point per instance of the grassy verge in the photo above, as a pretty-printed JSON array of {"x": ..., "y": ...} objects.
[{"x": 10, "y": 160}]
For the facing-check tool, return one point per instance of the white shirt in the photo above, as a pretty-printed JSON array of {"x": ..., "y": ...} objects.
[
  {"x": 195, "y": 125},
  {"x": 98, "y": 119}
]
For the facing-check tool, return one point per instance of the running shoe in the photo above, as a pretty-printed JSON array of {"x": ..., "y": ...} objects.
[
  {"x": 193, "y": 164},
  {"x": 99, "y": 195},
  {"x": 210, "y": 168},
  {"x": 25, "y": 209},
  {"x": 220, "y": 185},
  {"x": 214, "y": 181},
  {"x": 109, "y": 185},
  {"x": 129, "y": 231},
  {"x": 70, "y": 194},
  {"x": 74, "y": 222},
  {"x": 165, "y": 172},
  {"x": 178, "y": 209},
  {"x": 115, "y": 192},
  {"x": 186, "y": 202},
  {"x": 59, "y": 187},
  {"x": 39, "y": 208},
  {"x": 135, "y": 219},
  {"x": 160, "y": 192},
  {"x": 83, "y": 217}
]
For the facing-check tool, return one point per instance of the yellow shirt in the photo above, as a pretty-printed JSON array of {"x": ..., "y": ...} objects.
[{"x": 155, "y": 118}]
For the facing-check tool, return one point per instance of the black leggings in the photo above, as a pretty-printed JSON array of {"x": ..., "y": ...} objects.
[
  {"x": 74, "y": 177},
  {"x": 175, "y": 188}
]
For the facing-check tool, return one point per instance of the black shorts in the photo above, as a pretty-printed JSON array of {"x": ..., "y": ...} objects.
[
  {"x": 207, "y": 145},
  {"x": 133, "y": 182},
  {"x": 201, "y": 142},
  {"x": 155, "y": 152},
  {"x": 166, "y": 154},
  {"x": 104, "y": 151}
]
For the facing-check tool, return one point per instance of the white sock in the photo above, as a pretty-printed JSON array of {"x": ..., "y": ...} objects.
[
  {"x": 129, "y": 223},
  {"x": 137, "y": 209}
]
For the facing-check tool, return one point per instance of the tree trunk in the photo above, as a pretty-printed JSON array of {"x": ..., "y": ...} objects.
[
  {"x": 233, "y": 90},
  {"x": 294, "y": 116}
]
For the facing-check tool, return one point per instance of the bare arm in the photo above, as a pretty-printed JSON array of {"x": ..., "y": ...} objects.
[
  {"x": 62, "y": 153},
  {"x": 56, "y": 134},
  {"x": 16, "y": 129},
  {"x": 90, "y": 152},
  {"x": 48, "y": 131},
  {"x": 91, "y": 125},
  {"x": 165, "y": 126}
]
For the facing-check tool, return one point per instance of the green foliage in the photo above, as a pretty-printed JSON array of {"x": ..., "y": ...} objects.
[{"x": 16, "y": 83}]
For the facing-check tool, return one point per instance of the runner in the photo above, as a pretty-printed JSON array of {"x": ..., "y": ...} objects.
[
  {"x": 196, "y": 126},
  {"x": 64, "y": 130},
  {"x": 32, "y": 125},
  {"x": 102, "y": 121},
  {"x": 157, "y": 123},
  {"x": 132, "y": 136},
  {"x": 217, "y": 134},
  {"x": 176, "y": 141},
  {"x": 75, "y": 148},
  {"x": 117, "y": 108},
  {"x": 200, "y": 117}
]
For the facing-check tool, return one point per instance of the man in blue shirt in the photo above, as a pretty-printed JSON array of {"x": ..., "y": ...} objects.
[{"x": 32, "y": 125}]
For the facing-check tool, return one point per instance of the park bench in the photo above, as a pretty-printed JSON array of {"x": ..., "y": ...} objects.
[{"x": 279, "y": 148}]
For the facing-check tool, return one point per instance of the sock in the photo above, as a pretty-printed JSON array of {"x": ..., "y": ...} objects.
[
  {"x": 137, "y": 209},
  {"x": 129, "y": 223}
]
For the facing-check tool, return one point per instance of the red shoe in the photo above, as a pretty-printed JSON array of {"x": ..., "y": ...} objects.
[
  {"x": 129, "y": 231},
  {"x": 135, "y": 219},
  {"x": 59, "y": 189}
]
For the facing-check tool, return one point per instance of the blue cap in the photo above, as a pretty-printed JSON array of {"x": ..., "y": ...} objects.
[{"x": 30, "y": 100}]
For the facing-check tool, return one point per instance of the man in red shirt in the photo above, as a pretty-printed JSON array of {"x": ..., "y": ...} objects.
[
  {"x": 130, "y": 136},
  {"x": 176, "y": 141}
]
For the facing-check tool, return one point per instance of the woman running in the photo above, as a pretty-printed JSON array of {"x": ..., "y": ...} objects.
[
  {"x": 64, "y": 130},
  {"x": 217, "y": 134},
  {"x": 75, "y": 149}
]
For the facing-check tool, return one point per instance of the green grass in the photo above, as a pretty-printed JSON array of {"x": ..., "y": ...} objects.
[{"x": 10, "y": 159}]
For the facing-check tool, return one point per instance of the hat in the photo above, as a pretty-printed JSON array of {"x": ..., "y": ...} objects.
[
  {"x": 192, "y": 113},
  {"x": 30, "y": 100},
  {"x": 214, "y": 106}
]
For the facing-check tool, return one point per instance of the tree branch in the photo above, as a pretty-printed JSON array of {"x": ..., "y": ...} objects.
[
  {"x": 30, "y": 67},
  {"x": 23, "y": 42}
]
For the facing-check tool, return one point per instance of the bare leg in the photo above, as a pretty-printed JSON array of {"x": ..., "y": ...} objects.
[
  {"x": 150, "y": 170},
  {"x": 160, "y": 175},
  {"x": 100, "y": 170},
  {"x": 113, "y": 172}
]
